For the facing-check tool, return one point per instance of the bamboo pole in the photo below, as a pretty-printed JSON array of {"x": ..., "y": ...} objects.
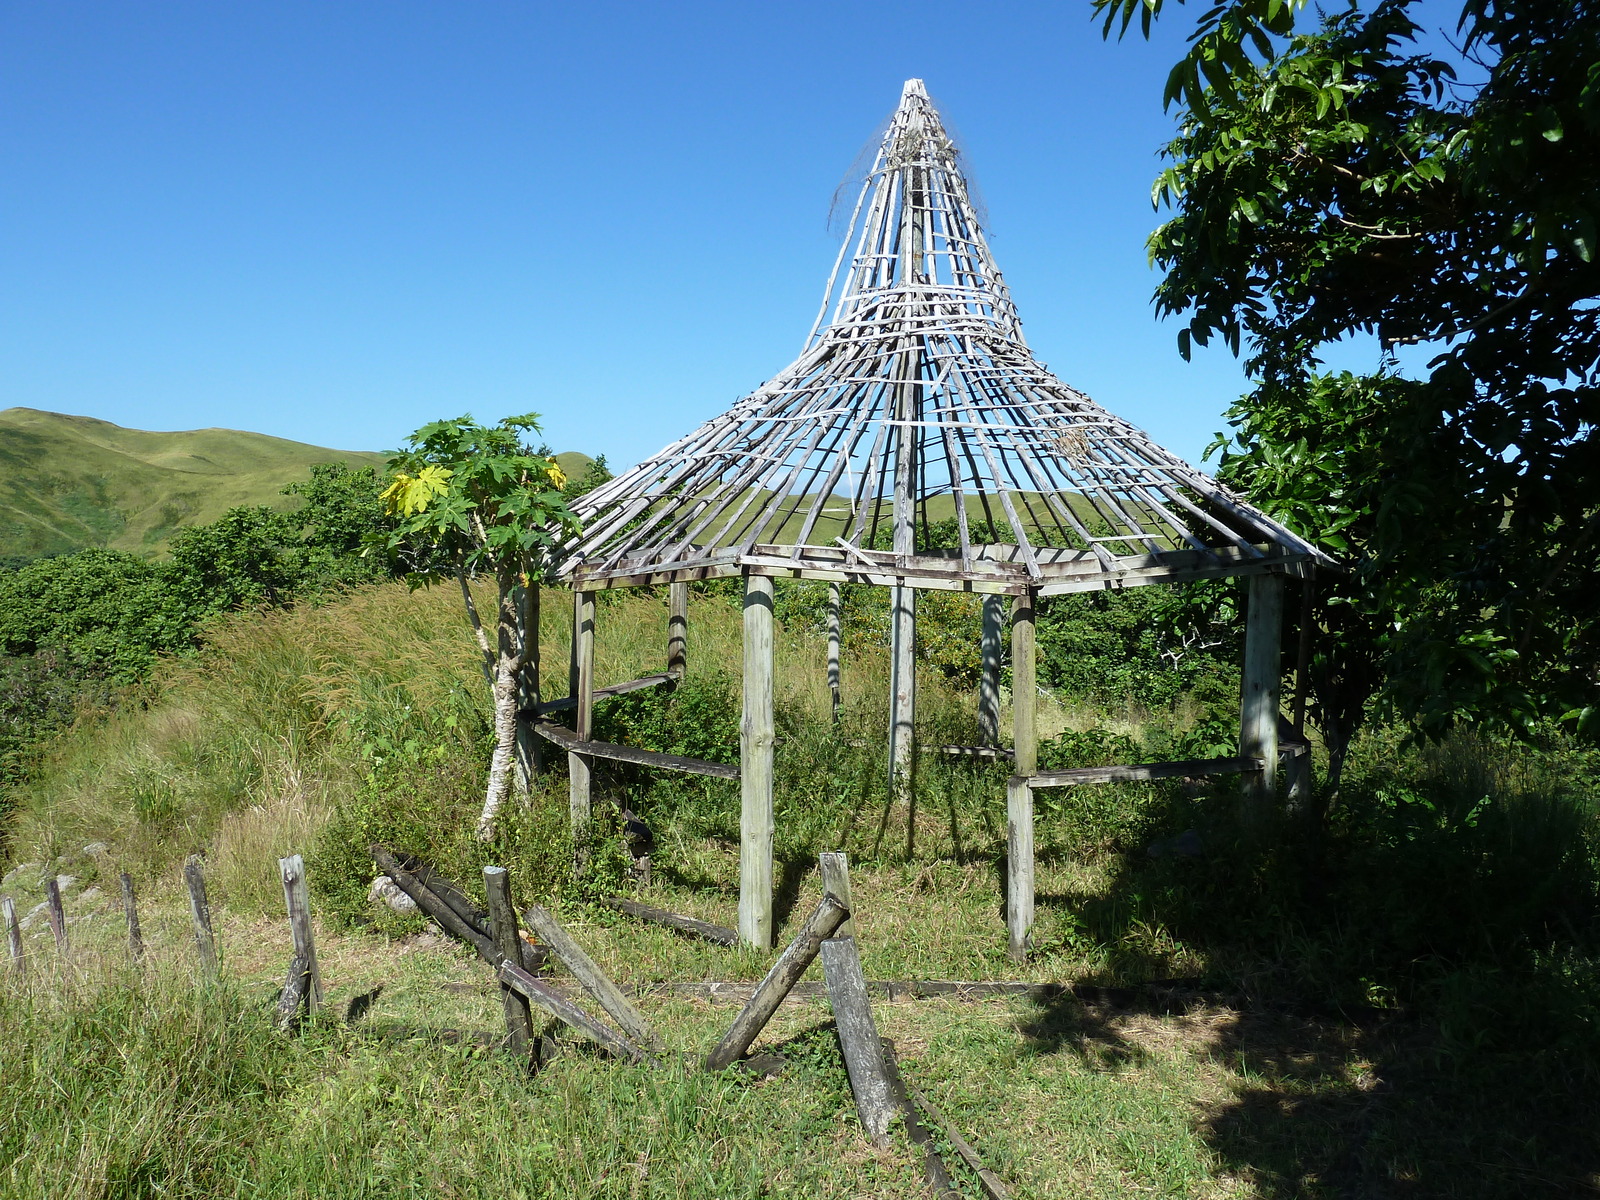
[
  {"x": 1258, "y": 704},
  {"x": 835, "y": 620},
  {"x": 581, "y": 766},
  {"x": 756, "y": 768},
  {"x": 678, "y": 629},
  {"x": 994, "y": 618}
]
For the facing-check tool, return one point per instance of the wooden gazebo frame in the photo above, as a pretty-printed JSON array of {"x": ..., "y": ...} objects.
[{"x": 915, "y": 404}]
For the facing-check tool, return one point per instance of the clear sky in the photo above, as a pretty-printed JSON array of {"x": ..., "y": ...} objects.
[{"x": 335, "y": 221}]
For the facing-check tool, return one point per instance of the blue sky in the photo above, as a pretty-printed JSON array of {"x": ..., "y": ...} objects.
[{"x": 337, "y": 221}]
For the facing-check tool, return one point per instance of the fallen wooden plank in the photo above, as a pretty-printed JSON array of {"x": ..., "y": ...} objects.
[
  {"x": 933, "y": 1168},
  {"x": 568, "y": 1013},
  {"x": 791, "y": 964},
  {"x": 740, "y": 991},
  {"x": 605, "y": 693},
  {"x": 588, "y": 973},
  {"x": 570, "y": 742},
  {"x": 992, "y": 1183},
  {"x": 712, "y": 933},
  {"x": 448, "y": 919},
  {"x": 858, "y": 1038},
  {"x": 1142, "y": 772}
]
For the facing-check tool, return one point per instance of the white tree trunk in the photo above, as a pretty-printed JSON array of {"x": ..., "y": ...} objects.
[{"x": 508, "y": 666}]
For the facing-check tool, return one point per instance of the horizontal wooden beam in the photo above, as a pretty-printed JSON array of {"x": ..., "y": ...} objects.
[
  {"x": 573, "y": 744},
  {"x": 605, "y": 693},
  {"x": 1142, "y": 772}
]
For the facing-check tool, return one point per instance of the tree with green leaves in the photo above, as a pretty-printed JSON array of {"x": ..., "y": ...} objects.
[
  {"x": 1364, "y": 176},
  {"x": 469, "y": 501}
]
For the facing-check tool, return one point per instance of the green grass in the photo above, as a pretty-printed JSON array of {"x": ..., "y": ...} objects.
[{"x": 1408, "y": 1011}]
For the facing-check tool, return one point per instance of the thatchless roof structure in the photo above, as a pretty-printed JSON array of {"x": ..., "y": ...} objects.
[
  {"x": 915, "y": 443},
  {"x": 917, "y": 417}
]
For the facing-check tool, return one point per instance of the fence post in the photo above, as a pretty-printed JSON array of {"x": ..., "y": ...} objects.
[
  {"x": 200, "y": 909},
  {"x": 297, "y": 898},
  {"x": 503, "y": 929},
  {"x": 13, "y": 935},
  {"x": 58, "y": 916},
  {"x": 836, "y": 883},
  {"x": 135, "y": 936}
]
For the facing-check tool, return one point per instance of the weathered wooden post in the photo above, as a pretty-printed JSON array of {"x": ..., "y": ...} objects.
[
  {"x": 994, "y": 620},
  {"x": 580, "y": 767},
  {"x": 1258, "y": 702},
  {"x": 58, "y": 916},
  {"x": 205, "y": 941},
  {"x": 591, "y": 978},
  {"x": 1019, "y": 795},
  {"x": 836, "y": 883},
  {"x": 677, "y": 628},
  {"x": 527, "y": 685},
  {"x": 131, "y": 912},
  {"x": 503, "y": 928},
  {"x": 858, "y": 1038},
  {"x": 756, "y": 767},
  {"x": 297, "y": 899},
  {"x": 835, "y": 629},
  {"x": 13, "y": 935}
]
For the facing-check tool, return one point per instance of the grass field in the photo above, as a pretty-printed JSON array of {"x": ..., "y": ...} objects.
[{"x": 1290, "y": 1059}]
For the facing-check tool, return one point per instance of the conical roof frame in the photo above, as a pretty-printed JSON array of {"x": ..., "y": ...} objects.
[{"x": 916, "y": 440}]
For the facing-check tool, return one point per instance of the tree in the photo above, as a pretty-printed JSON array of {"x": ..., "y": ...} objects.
[
  {"x": 469, "y": 500},
  {"x": 1343, "y": 181}
]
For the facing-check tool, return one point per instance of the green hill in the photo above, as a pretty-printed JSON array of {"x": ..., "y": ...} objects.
[{"x": 71, "y": 482}]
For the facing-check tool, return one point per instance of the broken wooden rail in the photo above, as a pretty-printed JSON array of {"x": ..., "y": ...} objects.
[
  {"x": 573, "y": 744},
  {"x": 719, "y": 934},
  {"x": 605, "y": 693}
]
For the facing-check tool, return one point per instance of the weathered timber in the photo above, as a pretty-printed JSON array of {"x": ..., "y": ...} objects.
[
  {"x": 503, "y": 929},
  {"x": 130, "y": 910},
  {"x": 791, "y": 964},
  {"x": 568, "y": 1013},
  {"x": 835, "y": 865},
  {"x": 970, "y": 991},
  {"x": 902, "y": 697},
  {"x": 593, "y": 980},
  {"x": 933, "y": 1169},
  {"x": 1142, "y": 772},
  {"x": 858, "y": 1038},
  {"x": 205, "y": 940},
  {"x": 450, "y": 892},
  {"x": 296, "y": 995},
  {"x": 13, "y": 935},
  {"x": 1019, "y": 866},
  {"x": 448, "y": 919},
  {"x": 297, "y": 901},
  {"x": 993, "y": 1185},
  {"x": 1024, "y": 686},
  {"x": 565, "y": 703},
  {"x": 1258, "y": 699},
  {"x": 526, "y": 600},
  {"x": 660, "y": 916},
  {"x": 756, "y": 734},
  {"x": 580, "y": 766},
  {"x": 58, "y": 915},
  {"x": 677, "y": 628},
  {"x": 570, "y": 742}
]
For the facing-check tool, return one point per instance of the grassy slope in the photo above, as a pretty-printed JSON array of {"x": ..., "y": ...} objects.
[
  {"x": 149, "y": 1087},
  {"x": 72, "y": 482}
]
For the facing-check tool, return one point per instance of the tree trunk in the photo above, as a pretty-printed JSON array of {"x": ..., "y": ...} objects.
[{"x": 507, "y": 671}]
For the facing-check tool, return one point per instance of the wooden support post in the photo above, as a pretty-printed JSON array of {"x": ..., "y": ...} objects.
[
  {"x": 1019, "y": 866},
  {"x": 13, "y": 935},
  {"x": 58, "y": 916},
  {"x": 503, "y": 928},
  {"x": 297, "y": 899},
  {"x": 580, "y": 766},
  {"x": 836, "y": 883},
  {"x": 677, "y": 629},
  {"x": 994, "y": 619},
  {"x": 1024, "y": 687},
  {"x": 902, "y": 686},
  {"x": 858, "y": 1038},
  {"x": 205, "y": 941},
  {"x": 527, "y": 686},
  {"x": 1258, "y": 704},
  {"x": 588, "y": 974},
  {"x": 791, "y": 964},
  {"x": 131, "y": 911},
  {"x": 835, "y": 633},
  {"x": 755, "y": 767}
]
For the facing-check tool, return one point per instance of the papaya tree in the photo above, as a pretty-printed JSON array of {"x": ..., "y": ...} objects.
[{"x": 473, "y": 501}]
